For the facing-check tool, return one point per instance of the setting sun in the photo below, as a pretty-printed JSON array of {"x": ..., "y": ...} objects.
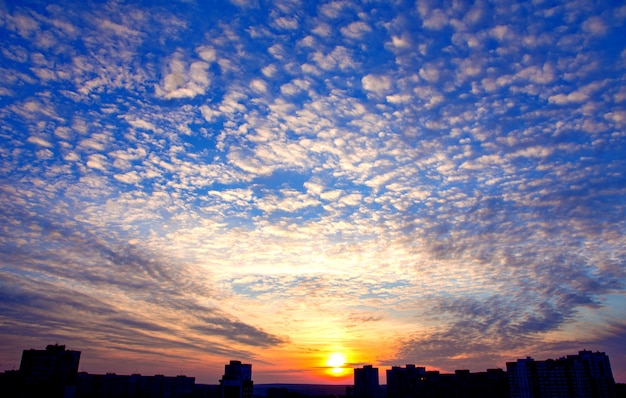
[
  {"x": 336, "y": 365},
  {"x": 336, "y": 360}
]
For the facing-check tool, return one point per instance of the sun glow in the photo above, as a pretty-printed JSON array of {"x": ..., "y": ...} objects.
[
  {"x": 336, "y": 360},
  {"x": 336, "y": 364}
]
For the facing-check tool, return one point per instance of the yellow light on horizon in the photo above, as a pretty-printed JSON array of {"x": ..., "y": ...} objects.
[
  {"x": 336, "y": 360},
  {"x": 336, "y": 364}
]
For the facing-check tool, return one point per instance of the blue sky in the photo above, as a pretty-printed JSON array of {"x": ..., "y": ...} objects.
[{"x": 187, "y": 182}]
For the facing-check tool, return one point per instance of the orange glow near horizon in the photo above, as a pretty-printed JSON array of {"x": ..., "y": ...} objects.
[{"x": 336, "y": 365}]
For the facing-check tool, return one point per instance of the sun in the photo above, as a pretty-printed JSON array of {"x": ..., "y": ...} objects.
[
  {"x": 336, "y": 365},
  {"x": 336, "y": 360}
]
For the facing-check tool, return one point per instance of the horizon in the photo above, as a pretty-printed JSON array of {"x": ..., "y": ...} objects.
[
  {"x": 346, "y": 370},
  {"x": 310, "y": 185}
]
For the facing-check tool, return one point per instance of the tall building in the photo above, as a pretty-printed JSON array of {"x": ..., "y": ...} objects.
[
  {"x": 405, "y": 382},
  {"x": 598, "y": 368},
  {"x": 416, "y": 382},
  {"x": 366, "y": 382},
  {"x": 51, "y": 372},
  {"x": 586, "y": 375},
  {"x": 237, "y": 380}
]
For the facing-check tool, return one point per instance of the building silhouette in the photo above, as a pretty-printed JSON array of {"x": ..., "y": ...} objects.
[
  {"x": 416, "y": 382},
  {"x": 49, "y": 373},
  {"x": 53, "y": 372},
  {"x": 237, "y": 381},
  {"x": 366, "y": 382},
  {"x": 403, "y": 382},
  {"x": 587, "y": 374},
  {"x": 135, "y": 386}
]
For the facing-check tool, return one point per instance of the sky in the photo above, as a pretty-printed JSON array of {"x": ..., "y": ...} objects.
[{"x": 311, "y": 186}]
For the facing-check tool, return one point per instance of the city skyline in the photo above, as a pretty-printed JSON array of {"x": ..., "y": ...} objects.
[
  {"x": 61, "y": 361},
  {"x": 312, "y": 186}
]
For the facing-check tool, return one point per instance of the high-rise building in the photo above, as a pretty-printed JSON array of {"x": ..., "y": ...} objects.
[
  {"x": 237, "y": 380},
  {"x": 405, "y": 382},
  {"x": 366, "y": 382},
  {"x": 416, "y": 382},
  {"x": 51, "y": 372},
  {"x": 598, "y": 368},
  {"x": 586, "y": 375}
]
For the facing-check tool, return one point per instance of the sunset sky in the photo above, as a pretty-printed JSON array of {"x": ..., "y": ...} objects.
[{"x": 309, "y": 186}]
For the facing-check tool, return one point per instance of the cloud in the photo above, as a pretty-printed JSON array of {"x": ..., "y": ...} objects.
[
  {"x": 259, "y": 86},
  {"x": 577, "y": 96},
  {"x": 435, "y": 20},
  {"x": 128, "y": 178},
  {"x": 98, "y": 162},
  {"x": 118, "y": 29},
  {"x": 141, "y": 124},
  {"x": 430, "y": 72},
  {"x": 100, "y": 312},
  {"x": 378, "y": 84},
  {"x": 333, "y": 9},
  {"x": 595, "y": 26},
  {"x": 502, "y": 32},
  {"x": 286, "y": 23},
  {"x": 184, "y": 80},
  {"x": 322, "y": 29},
  {"x": 356, "y": 30},
  {"x": 39, "y": 141}
]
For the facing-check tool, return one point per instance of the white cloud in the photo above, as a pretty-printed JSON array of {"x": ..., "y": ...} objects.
[
  {"x": 436, "y": 20},
  {"x": 618, "y": 117},
  {"x": 474, "y": 15},
  {"x": 353, "y": 199},
  {"x": 378, "y": 84},
  {"x": 399, "y": 98},
  {"x": 207, "y": 53},
  {"x": 326, "y": 62},
  {"x": 595, "y": 26},
  {"x": 469, "y": 67},
  {"x": 400, "y": 42},
  {"x": 96, "y": 142},
  {"x": 356, "y": 30},
  {"x": 542, "y": 75},
  {"x": 232, "y": 103},
  {"x": 45, "y": 154},
  {"x": 269, "y": 70},
  {"x": 294, "y": 87},
  {"x": 181, "y": 81},
  {"x": 429, "y": 72},
  {"x": 577, "y": 96},
  {"x": 332, "y": 9},
  {"x": 140, "y": 123},
  {"x": 258, "y": 85},
  {"x": 323, "y": 29},
  {"x": 120, "y": 30},
  {"x": 208, "y": 114},
  {"x": 286, "y": 23},
  {"x": 39, "y": 141},
  {"x": 128, "y": 178},
  {"x": 278, "y": 51},
  {"x": 23, "y": 24},
  {"x": 44, "y": 74},
  {"x": 245, "y": 3},
  {"x": 502, "y": 32},
  {"x": 97, "y": 161},
  {"x": 245, "y": 161}
]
